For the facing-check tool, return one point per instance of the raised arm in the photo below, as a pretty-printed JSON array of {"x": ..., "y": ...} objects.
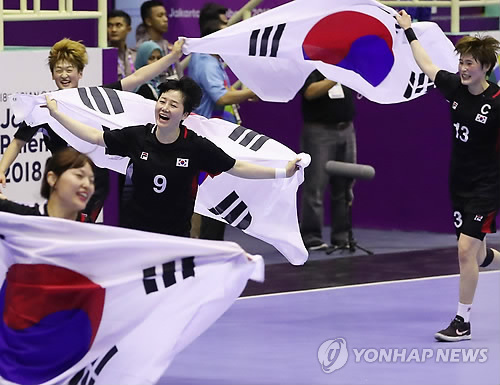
[
  {"x": 235, "y": 97},
  {"x": 80, "y": 130},
  {"x": 421, "y": 57},
  {"x": 248, "y": 170},
  {"x": 146, "y": 73}
]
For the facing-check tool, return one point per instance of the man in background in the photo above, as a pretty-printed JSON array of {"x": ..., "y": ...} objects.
[
  {"x": 119, "y": 26},
  {"x": 328, "y": 134},
  {"x": 154, "y": 26}
]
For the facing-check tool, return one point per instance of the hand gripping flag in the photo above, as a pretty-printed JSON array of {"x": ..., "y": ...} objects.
[
  {"x": 355, "y": 42},
  {"x": 265, "y": 209},
  {"x": 92, "y": 304}
]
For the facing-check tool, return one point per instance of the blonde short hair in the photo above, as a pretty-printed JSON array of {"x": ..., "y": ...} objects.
[{"x": 68, "y": 50}]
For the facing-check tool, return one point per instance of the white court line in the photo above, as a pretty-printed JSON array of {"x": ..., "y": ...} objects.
[{"x": 360, "y": 285}]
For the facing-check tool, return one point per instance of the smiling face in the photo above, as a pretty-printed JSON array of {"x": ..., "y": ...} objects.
[
  {"x": 73, "y": 188},
  {"x": 66, "y": 75},
  {"x": 472, "y": 72},
  {"x": 169, "y": 109}
]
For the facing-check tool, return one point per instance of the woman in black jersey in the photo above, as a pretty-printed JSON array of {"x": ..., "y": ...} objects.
[
  {"x": 167, "y": 159},
  {"x": 474, "y": 167},
  {"x": 67, "y": 184}
]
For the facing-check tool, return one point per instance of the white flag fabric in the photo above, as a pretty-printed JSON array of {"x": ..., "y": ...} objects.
[
  {"x": 355, "y": 42},
  {"x": 265, "y": 209},
  {"x": 114, "y": 305}
]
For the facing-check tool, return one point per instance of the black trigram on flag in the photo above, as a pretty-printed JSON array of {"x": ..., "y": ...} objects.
[
  {"x": 259, "y": 42},
  {"x": 109, "y": 98},
  {"x": 88, "y": 375},
  {"x": 418, "y": 86},
  {"x": 168, "y": 274},
  {"x": 234, "y": 211},
  {"x": 248, "y": 138}
]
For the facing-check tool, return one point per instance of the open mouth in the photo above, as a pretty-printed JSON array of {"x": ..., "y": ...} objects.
[
  {"x": 163, "y": 118},
  {"x": 65, "y": 83}
]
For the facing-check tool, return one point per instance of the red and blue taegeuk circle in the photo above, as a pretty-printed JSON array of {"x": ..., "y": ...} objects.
[
  {"x": 354, "y": 41},
  {"x": 50, "y": 317}
]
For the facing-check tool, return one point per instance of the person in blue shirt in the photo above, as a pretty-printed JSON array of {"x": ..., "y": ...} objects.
[{"x": 219, "y": 100}]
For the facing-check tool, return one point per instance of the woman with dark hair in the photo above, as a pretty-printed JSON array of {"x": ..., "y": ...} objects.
[
  {"x": 474, "y": 181},
  {"x": 67, "y": 184},
  {"x": 167, "y": 159}
]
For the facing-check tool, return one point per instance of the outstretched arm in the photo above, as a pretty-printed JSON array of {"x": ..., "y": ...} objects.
[
  {"x": 318, "y": 89},
  {"x": 146, "y": 73},
  {"x": 421, "y": 57},
  {"x": 80, "y": 130},
  {"x": 248, "y": 170}
]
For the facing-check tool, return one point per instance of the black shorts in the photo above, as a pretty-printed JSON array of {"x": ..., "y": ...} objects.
[{"x": 474, "y": 217}]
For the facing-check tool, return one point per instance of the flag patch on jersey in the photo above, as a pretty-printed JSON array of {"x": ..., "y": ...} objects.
[
  {"x": 478, "y": 218},
  {"x": 181, "y": 162},
  {"x": 454, "y": 105},
  {"x": 481, "y": 118},
  {"x": 144, "y": 155}
]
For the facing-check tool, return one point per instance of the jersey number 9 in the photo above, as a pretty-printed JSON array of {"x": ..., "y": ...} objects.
[{"x": 160, "y": 184}]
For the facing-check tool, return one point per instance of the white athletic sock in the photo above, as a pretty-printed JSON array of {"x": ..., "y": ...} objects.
[{"x": 464, "y": 311}]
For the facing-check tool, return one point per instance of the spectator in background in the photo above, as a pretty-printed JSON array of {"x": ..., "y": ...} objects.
[
  {"x": 218, "y": 100},
  {"x": 148, "y": 53},
  {"x": 154, "y": 26},
  {"x": 118, "y": 29},
  {"x": 212, "y": 11},
  {"x": 328, "y": 134}
]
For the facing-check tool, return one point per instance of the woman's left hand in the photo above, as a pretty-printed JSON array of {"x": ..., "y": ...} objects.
[
  {"x": 51, "y": 105},
  {"x": 292, "y": 167}
]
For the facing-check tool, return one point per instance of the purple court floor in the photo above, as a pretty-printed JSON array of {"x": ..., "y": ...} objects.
[{"x": 274, "y": 339}]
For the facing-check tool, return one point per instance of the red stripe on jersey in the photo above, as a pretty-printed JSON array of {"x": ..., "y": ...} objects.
[
  {"x": 498, "y": 135},
  {"x": 487, "y": 225},
  {"x": 185, "y": 132}
]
